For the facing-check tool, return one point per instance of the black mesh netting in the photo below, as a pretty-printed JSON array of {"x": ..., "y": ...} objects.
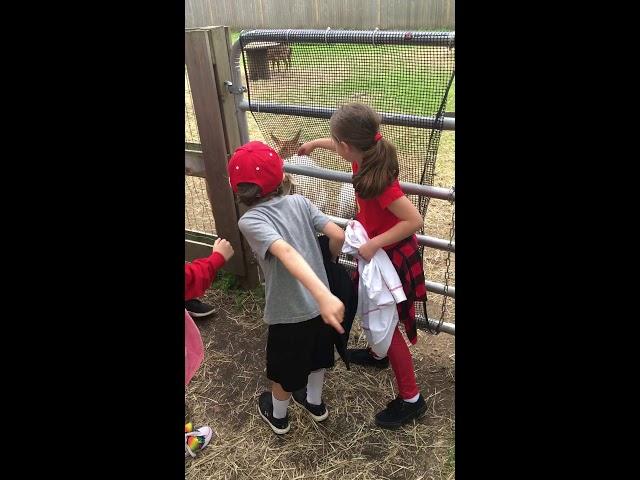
[
  {"x": 411, "y": 78},
  {"x": 398, "y": 74}
]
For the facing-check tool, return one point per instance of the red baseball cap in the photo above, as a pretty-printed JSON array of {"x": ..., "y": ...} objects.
[{"x": 256, "y": 162}]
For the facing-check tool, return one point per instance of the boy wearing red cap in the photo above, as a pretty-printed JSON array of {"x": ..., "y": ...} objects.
[{"x": 299, "y": 307}]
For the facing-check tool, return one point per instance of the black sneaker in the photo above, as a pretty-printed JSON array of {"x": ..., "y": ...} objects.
[
  {"x": 317, "y": 412},
  {"x": 363, "y": 356},
  {"x": 197, "y": 309},
  {"x": 265, "y": 409},
  {"x": 399, "y": 412}
]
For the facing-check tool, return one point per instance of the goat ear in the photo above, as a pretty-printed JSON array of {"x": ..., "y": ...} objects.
[
  {"x": 297, "y": 137},
  {"x": 275, "y": 139}
]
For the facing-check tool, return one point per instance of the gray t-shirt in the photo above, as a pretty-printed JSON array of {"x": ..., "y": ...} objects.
[{"x": 294, "y": 219}]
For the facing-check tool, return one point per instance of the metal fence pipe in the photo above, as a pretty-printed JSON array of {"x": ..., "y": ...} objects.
[
  {"x": 399, "y": 119},
  {"x": 424, "y": 240},
  {"x": 449, "y": 328},
  {"x": 373, "y": 37}
]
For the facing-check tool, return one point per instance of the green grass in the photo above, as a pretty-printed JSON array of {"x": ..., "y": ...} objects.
[
  {"x": 226, "y": 281},
  {"x": 401, "y": 80},
  {"x": 407, "y": 86},
  {"x": 358, "y": 80}
]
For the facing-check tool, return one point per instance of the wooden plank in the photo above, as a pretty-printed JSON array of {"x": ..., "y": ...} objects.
[
  {"x": 221, "y": 46},
  {"x": 199, "y": 13},
  {"x": 287, "y": 14},
  {"x": 220, "y": 40},
  {"x": 194, "y": 250},
  {"x": 200, "y": 237},
  {"x": 214, "y": 153},
  {"x": 403, "y": 15},
  {"x": 188, "y": 14},
  {"x": 356, "y": 14}
]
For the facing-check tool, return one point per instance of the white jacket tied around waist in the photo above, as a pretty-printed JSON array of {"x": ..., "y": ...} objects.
[{"x": 379, "y": 290}]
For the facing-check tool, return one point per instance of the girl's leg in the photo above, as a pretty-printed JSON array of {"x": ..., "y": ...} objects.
[{"x": 402, "y": 364}]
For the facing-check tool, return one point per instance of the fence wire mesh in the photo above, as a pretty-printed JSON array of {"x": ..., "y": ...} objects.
[
  {"x": 197, "y": 212},
  {"x": 395, "y": 79},
  {"x": 410, "y": 79}
]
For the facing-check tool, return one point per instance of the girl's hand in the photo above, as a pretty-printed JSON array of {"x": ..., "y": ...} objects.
[
  {"x": 368, "y": 250},
  {"x": 306, "y": 148}
]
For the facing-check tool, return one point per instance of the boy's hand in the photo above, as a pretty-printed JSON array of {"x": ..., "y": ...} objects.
[
  {"x": 224, "y": 248},
  {"x": 306, "y": 148},
  {"x": 332, "y": 312}
]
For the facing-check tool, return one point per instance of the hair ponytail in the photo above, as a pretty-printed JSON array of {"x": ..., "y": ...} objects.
[
  {"x": 379, "y": 168},
  {"x": 357, "y": 125}
]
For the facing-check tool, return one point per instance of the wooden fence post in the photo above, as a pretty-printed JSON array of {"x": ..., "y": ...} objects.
[
  {"x": 208, "y": 66},
  {"x": 214, "y": 152},
  {"x": 220, "y": 41}
]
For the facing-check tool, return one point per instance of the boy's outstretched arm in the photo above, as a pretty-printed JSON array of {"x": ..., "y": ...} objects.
[
  {"x": 331, "y": 308},
  {"x": 336, "y": 238}
]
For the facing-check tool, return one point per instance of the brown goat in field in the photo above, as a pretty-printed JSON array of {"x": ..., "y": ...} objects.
[{"x": 280, "y": 53}]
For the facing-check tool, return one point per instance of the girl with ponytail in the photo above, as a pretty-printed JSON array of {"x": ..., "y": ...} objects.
[{"x": 391, "y": 222}]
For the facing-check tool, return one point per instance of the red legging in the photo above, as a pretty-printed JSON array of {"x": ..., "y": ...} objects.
[{"x": 402, "y": 364}]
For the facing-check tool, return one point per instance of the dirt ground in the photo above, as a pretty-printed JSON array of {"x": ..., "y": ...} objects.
[{"x": 348, "y": 445}]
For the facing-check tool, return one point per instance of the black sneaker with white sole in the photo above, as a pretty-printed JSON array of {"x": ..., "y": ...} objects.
[
  {"x": 317, "y": 412},
  {"x": 399, "y": 412},
  {"x": 265, "y": 409},
  {"x": 363, "y": 356},
  {"x": 198, "y": 309}
]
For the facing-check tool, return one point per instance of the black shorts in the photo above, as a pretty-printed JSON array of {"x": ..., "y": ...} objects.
[{"x": 296, "y": 349}]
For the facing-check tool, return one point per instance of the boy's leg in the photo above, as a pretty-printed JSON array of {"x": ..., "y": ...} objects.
[
  {"x": 321, "y": 358},
  {"x": 280, "y": 400},
  {"x": 274, "y": 411},
  {"x": 286, "y": 346},
  {"x": 315, "y": 383}
]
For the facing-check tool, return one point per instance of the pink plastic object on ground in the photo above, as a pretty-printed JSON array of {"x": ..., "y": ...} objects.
[{"x": 193, "y": 348}]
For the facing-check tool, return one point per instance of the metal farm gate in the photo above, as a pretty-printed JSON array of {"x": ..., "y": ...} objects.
[{"x": 291, "y": 81}]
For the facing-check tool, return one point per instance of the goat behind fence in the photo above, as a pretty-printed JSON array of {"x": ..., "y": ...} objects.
[{"x": 279, "y": 53}]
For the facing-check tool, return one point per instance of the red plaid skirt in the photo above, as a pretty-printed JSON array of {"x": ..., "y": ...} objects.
[{"x": 405, "y": 257}]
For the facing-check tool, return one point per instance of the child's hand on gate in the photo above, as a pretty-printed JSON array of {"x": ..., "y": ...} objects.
[
  {"x": 332, "y": 311},
  {"x": 224, "y": 248},
  {"x": 306, "y": 148}
]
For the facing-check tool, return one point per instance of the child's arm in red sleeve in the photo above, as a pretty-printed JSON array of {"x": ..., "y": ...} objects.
[{"x": 200, "y": 274}]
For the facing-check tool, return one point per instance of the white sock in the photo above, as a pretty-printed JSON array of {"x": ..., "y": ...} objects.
[
  {"x": 412, "y": 399},
  {"x": 279, "y": 407},
  {"x": 314, "y": 387}
]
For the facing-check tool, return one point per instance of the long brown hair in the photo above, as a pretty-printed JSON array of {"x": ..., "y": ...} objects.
[{"x": 357, "y": 125}]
